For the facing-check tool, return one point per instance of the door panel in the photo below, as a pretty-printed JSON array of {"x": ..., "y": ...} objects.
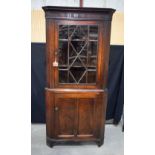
[
  {"x": 86, "y": 117},
  {"x": 65, "y": 117}
]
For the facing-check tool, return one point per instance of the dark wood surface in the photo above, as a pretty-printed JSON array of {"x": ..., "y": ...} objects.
[
  {"x": 81, "y": 3},
  {"x": 75, "y": 9},
  {"x": 76, "y": 112},
  {"x": 78, "y": 13}
]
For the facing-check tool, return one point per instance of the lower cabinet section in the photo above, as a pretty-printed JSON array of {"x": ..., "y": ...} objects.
[{"x": 75, "y": 116}]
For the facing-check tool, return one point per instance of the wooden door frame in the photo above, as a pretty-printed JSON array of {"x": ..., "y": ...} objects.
[{"x": 99, "y": 67}]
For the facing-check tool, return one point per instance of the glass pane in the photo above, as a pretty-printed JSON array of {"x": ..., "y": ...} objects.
[
  {"x": 63, "y": 76},
  {"x": 92, "y": 53},
  {"x": 84, "y": 51},
  {"x": 77, "y": 53},
  {"x": 92, "y": 62},
  {"x": 77, "y": 63},
  {"x": 63, "y": 32},
  {"x": 91, "y": 76},
  {"x": 92, "y": 49},
  {"x": 83, "y": 80},
  {"x": 77, "y": 72},
  {"x": 93, "y": 33},
  {"x": 71, "y": 78},
  {"x": 77, "y": 46},
  {"x": 63, "y": 52},
  {"x": 83, "y": 59},
  {"x": 77, "y": 33}
]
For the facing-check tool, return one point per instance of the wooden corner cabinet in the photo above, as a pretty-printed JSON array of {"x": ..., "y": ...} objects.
[{"x": 77, "y": 58}]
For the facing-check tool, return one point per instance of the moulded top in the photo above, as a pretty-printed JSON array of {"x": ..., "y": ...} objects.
[{"x": 78, "y": 9}]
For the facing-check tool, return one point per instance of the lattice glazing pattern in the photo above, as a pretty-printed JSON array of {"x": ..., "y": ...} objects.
[{"x": 77, "y": 54}]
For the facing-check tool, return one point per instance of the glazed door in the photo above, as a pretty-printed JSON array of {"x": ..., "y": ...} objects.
[
  {"x": 77, "y": 115},
  {"x": 76, "y": 57}
]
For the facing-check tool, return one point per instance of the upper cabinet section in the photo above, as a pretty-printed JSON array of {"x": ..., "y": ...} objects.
[{"x": 77, "y": 46}]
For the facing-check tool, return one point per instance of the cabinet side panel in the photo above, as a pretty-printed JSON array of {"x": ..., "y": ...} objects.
[
  {"x": 49, "y": 114},
  {"x": 100, "y": 110},
  {"x": 106, "y": 31},
  {"x": 103, "y": 55},
  {"x": 49, "y": 53}
]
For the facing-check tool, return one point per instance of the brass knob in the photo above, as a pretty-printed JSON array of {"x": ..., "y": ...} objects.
[{"x": 56, "y": 109}]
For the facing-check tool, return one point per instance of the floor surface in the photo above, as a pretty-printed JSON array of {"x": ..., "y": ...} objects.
[{"x": 113, "y": 143}]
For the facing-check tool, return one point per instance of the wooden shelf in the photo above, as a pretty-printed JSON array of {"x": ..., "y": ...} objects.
[{"x": 77, "y": 40}]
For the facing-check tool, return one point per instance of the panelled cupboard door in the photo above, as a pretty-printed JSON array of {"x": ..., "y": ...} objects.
[
  {"x": 78, "y": 53},
  {"x": 76, "y": 116},
  {"x": 65, "y": 114},
  {"x": 86, "y": 117}
]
